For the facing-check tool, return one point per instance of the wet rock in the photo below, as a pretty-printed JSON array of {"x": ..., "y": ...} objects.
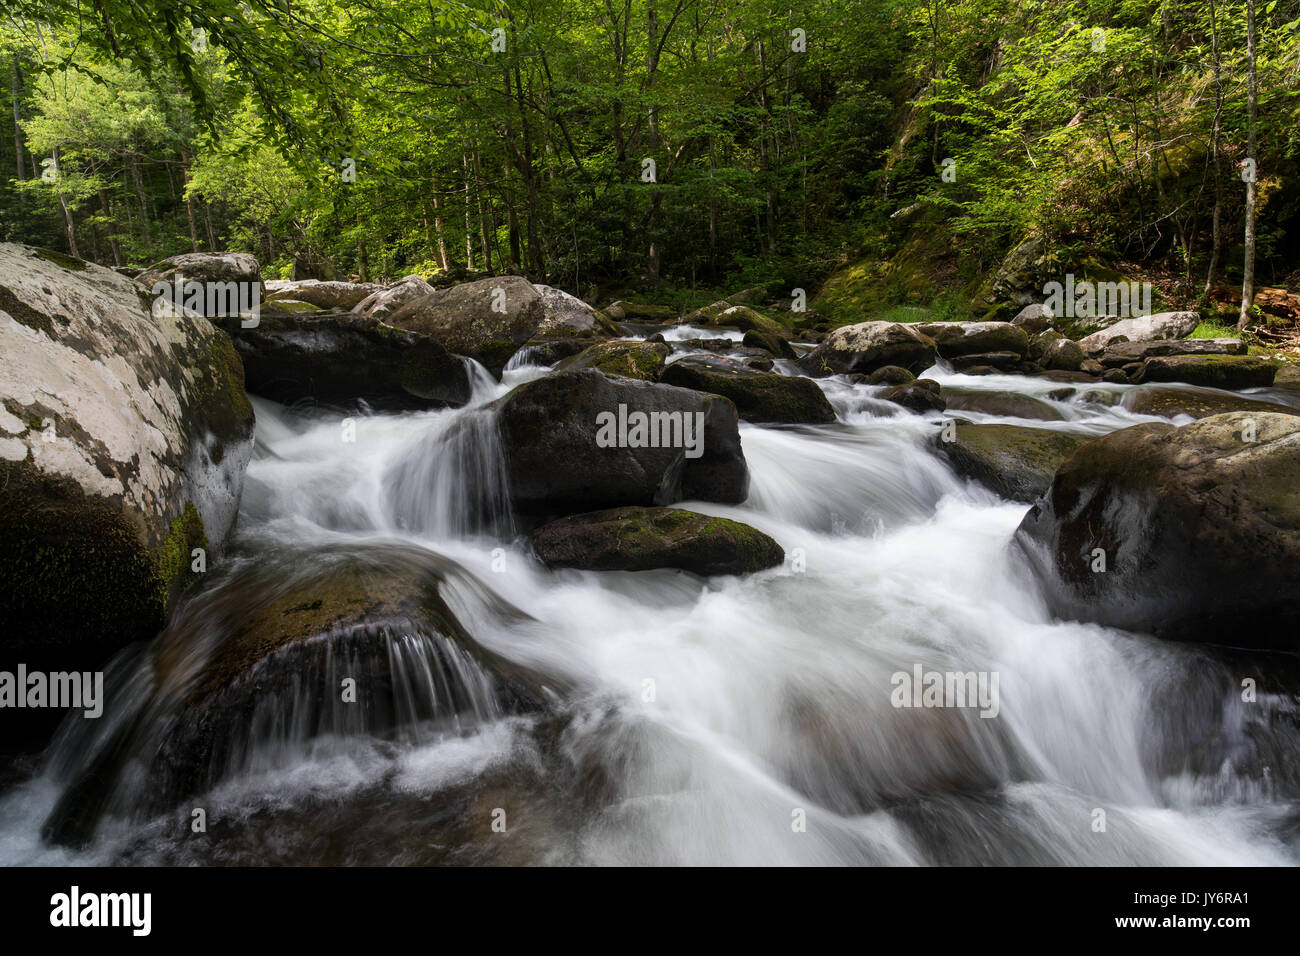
[
  {"x": 868, "y": 346},
  {"x": 487, "y": 320},
  {"x": 1170, "y": 401},
  {"x": 758, "y": 396},
  {"x": 573, "y": 443},
  {"x": 1013, "y": 461},
  {"x": 639, "y": 360},
  {"x": 890, "y": 375},
  {"x": 1210, "y": 371},
  {"x": 1199, "y": 528},
  {"x": 1007, "y": 404},
  {"x": 778, "y": 345},
  {"x": 923, "y": 395},
  {"x": 123, "y": 442},
  {"x": 1116, "y": 376},
  {"x": 340, "y": 358},
  {"x": 640, "y": 539}
]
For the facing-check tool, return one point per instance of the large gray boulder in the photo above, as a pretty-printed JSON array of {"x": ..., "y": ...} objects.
[
  {"x": 1122, "y": 353},
  {"x": 487, "y": 320},
  {"x": 868, "y": 346},
  {"x": 1192, "y": 533},
  {"x": 384, "y": 302},
  {"x": 208, "y": 267},
  {"x": 1162, "y": 325},
  {"x": 124, "y": 434},
  {"x": 573, "y": 442},
  {"x": 324, "y": 294},
  {"x": 564, "y": 314}
]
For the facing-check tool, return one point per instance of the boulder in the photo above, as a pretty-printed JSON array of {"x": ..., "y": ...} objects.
[
  {"x": 322, "y": 293},
  {"x": 487, "y": 320},
  {"x": 641, "y": 539},
  {"x": 249, "y": 673},
  {"x": 1062, "y": 355},
  {"x": 335, "y": 358},
  {"x": 384, "y": 302},
  {"x": 955, "y": 339},
  {"x": 1167, "y": 401},
  {"x": 565, "y": 315},
  {"x": 1004, "y": 404},
  {"x": 1210, "y": 371},
  {"x": 580, "y": 440},
  {"x": 923, "y": 395},
  {"x": 204, "y": 267},
  {"x": 1124, "y": 353},
  {"x": 640, "y": 360},
  {"x": 1162, "y": 325},
  {"x": 1001, "y": 361},
  {"x": 1198, "y": 528},
  {"x": 745, "y": 319},
  {"x": 640, "y": 312},
  {"x": 868, "y": 346},
  {"x": 778, "y": 345},
  {"x": 1014, "y": 461},
  {"x": 890, "y": 375},
  {"x": 123, "y": 441},
  {"x": 758, "y": 396},
  {"x": 1034, "y": 318}
]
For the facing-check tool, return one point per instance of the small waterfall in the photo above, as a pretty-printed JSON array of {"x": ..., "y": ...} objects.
[{"x": 451, "y": 482}]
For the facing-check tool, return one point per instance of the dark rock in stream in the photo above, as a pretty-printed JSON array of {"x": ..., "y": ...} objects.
[
  {"x": 1014, "y": 461},
  {"x": 579, "y": 440},
  {"x": 1198, "y": 528},
  {"x": 641, "y": 539},
  {"x": 759, "y": 396},
  {"x": 263, "y": 663}
]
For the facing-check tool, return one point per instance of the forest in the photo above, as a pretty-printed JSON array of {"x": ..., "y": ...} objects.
[{"x": 671, "y": 147}]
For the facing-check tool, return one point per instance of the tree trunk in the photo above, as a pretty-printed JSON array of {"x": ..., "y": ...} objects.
[
  {"x": 189, "y": 201},
  {"x": 443, "y": 260},
  {"x": 17, "y": 87},
  {"x": 469, "y": 232},
  {"x": 1214, "y": 152},
  {"x": 1248, "y": 280}
]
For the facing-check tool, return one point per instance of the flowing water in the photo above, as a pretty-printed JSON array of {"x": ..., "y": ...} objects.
[{"x": 689, "y": 721}]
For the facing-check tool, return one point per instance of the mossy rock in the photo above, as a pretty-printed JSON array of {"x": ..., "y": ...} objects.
[
  {"x": 643, "y": 539},
  {"x": 1172, "y": 401},
  {"x": 638, "y": 360},
  {"x": 758, "y": 396},
  {"x": 1210, "y": 371},
  {"x": 1013, "y": 461}
]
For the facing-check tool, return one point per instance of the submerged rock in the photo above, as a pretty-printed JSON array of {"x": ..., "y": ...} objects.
[
  {"x": 580, "y": 440},
  {"x": 759, "y": 396},
  {"x": 640, "y": 539},
  {"x": 1191, "y": 533},
  {"x": 123, "y": 442}
]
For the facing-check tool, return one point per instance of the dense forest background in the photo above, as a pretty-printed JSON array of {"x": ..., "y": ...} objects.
[{"x": 888, "y": 152}]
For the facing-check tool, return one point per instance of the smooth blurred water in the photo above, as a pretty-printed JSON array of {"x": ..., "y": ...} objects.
[{"x": 703, "y": 721}]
